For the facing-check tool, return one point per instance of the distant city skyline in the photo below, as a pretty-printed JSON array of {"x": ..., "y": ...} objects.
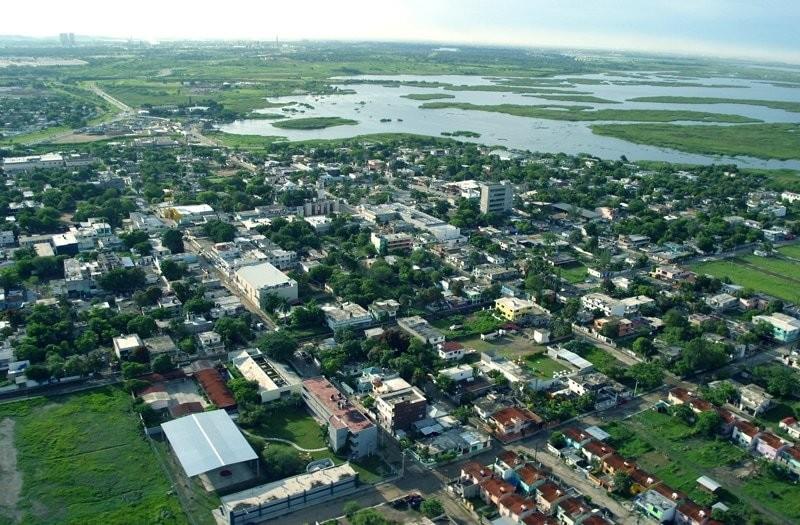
[{"x": 764, "y": 30}]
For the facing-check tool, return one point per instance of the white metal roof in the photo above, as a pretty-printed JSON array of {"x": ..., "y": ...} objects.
[{"x": 207, "y": 441}]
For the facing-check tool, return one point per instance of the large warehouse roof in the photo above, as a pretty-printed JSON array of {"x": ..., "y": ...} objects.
[{"x": 207, "y": 441}]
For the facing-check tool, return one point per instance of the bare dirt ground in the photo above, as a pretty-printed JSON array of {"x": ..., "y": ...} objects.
[{"x": 10, "y": 477}]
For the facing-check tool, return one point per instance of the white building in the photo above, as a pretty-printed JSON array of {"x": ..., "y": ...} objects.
[
  {"x": 260, "y": 280},
  {"x": 346, "y": 315},
  {"x": 275, "y": 380},
  {"x": 31, "y": 162},
  {"x": 496, "y": 197},
  {"x": 125, "y": 345}
]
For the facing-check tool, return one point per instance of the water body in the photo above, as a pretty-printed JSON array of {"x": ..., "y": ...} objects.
[{"x": 372, "y": 102}]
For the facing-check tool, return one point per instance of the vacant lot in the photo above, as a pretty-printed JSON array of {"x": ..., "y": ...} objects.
[
  {"x": 543, "y": 366},
  {"x": 83, "y": 459},
  {"x": 671, "y": 449},
  {"x": 777, "y": 277},
  {"x": 511, "y": 347}
]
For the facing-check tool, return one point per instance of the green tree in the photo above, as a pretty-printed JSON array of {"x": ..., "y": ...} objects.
[
  {"x": 233, "y": 330},
  {"x": 171, "y": 270},
  {"x": 278, "y": 345},
  {"x": 649, "y": 375},
  {"x": 281, "y": 462},
  {"x": 642, "y": 346},
  {"x": 432, "y": 508},
  {"x": 708, "y": 423},
  {"x": 142, "y": 325},
  {"x": 123, "y": 280},
  {"x": 173, "y": 240},
  {"x": 162, "y": 364},
  {"x": 131, "y": 370},
  {"x": 245, "y": 392}
]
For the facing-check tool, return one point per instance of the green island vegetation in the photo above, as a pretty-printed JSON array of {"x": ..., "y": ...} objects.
[
  {"x": 785, "y": 105},
  {"x": 765, "y": 140},
  {"x": 776, "y": 277},
  {"x": 574, "y": 82},
  {"x": 314, "y": 123},
  {"x": 461, "y": 133},
  {"x": 250, "y": 142},
  {"x": 576, "y": 98},
  {"x": 83, "y": 459},
  {"x": 512, "y": 89},
  {"x": 581, "y": 113},
  {"x": 427, "y": 96}
]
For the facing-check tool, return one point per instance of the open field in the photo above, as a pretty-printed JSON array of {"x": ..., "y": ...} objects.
[
  {"x": 293, "y": 424},
  {"x": 671, "y": 450},
  {"x": 83, "y": 459},
  {"x": 511, "y": 347},
  {"x": 774, "y": 104},
  {"x": 542, "y": 366},
  {"x": 575, "y": 273},
  {"x": 314, "y": 123},
  {"x": 251, "y": 142},
  {"x": 793, "y": 250},
  {"x": 469, "y": 325},
  {"x": 775, "y": 277},
  {"x": 766, "y": 141},
  {"x": 584, "y": 113}
]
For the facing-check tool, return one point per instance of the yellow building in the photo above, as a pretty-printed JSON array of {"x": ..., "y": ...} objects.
[{"x": 513, "y": 308}]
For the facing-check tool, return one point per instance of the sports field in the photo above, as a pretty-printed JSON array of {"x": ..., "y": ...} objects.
[{"x": 779, "y": 277}]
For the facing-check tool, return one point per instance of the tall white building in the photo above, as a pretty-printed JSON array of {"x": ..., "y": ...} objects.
[
  {"x": 496, "y": 197},
  {"x": 259, "y": 280}
]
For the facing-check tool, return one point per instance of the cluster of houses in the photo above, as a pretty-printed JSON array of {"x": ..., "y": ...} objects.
[{"x": 522, "y": 492}]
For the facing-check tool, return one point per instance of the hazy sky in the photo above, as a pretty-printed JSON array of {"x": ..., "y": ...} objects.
[{"x": 764, "y": 29}]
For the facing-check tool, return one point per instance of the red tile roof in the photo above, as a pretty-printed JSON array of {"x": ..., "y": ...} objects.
[
  {"x": 507, "y": 416},
  {"x": 497, "y": 488},
  {"x": 549, "y": 491},
  {"x": 509, "y": 457},
  {"x": 771, "y": 439},
  {"x": 343, "y": 414},
  {"x": 573, "y": 507},
  {"x": 537, "y": 518},
  {"x": 215, "y": 388},
  {"x": 474, "y": 470},
  {"x": 618, "y": 463},
  {"x": 669, "y": 492},
  {"x": 451, "y": 346},
  {"x": 517, "y": 504},
  {"x": 598, "y": 449},
  {"x": 529, "y": 474},
  {"x": 643, "y": 478},
  {"x": 747, "y": 428},
  {"x": 693, "y": 511},
  {"x": 793, "y": 451},
  {"x": 184, "y": 409},
  {"x": 575, "y": 434}
]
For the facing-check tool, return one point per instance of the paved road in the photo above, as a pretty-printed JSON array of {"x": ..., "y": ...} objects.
[{"x": 108, "y": 98}]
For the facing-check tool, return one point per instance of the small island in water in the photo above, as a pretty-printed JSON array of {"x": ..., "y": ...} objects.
[
  {"x": 314, "y": 123},
  {"x": 461, "y": 133}
]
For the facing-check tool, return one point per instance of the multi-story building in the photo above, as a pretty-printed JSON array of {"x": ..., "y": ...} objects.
[
  {"x": 785, "y": 328},
  {"x": 401, "y": 409},
  {"x": 754, "y": 400},
  {"x": 496, "y": 197},
  {"x": 513, "y": 308},
  {"x": 392, "y": 242},
  {"x": 346, "y": 315},
  {"x": 275, "y": 380},
  {"x": 282, "y": 259},
  {"x": 419, "y": 328},
  {"x": 346, "y": 425},
  {"x": 260, "y": 280},
  {"x": 384, "y": 310}
]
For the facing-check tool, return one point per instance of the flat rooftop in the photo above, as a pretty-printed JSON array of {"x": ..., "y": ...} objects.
[
  {"x": 263, "y": 275},
  {"x": 282, "y": 489},
  {"x": 343, "y": 414}
]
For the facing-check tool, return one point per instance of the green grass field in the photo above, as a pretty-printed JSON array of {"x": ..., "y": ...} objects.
[
  {"x": 793, "y": 250},
  {"x": 582, "y": 113},
  {"x": 83, "y": 459},
  {"x": 314, "y": 123},
  {"x": 249, "y": 142},
  {"x": 781, "y": 281},
  {"x": 542, "y": 366},
  {"x": 294, "y": 424},
  {"x": 766, "y": 141},
  {"x": 574, "y": 274}
]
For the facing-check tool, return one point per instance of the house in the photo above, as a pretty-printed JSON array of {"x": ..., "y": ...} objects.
[
  {"x": 723, "y": 301},
  {"x": 790, "y": 426},
  {"x": 514, "y": 423},
  {"x": 530, "y": 477},
  {"x": 400, "y": 409},
  {"x": 790, "y": 458},
  {"x": 595, "y": 451},
  {"x": 506, "y": 464},
  {"x": 768, "y": 445},
  {"x": 260, "y": 280},
  {"x": 384, "y": 310},
  {"x": 126, "y": 345},
  {"x": 548, "y": 494},
  {"x": 495, "y": 489},
  {"x": 642, "y": 480},
  {"x": 569, "y": 511},
  {"x": 744, "y": 433},
  {"x": 613, "y": 464},
  {"x": 576, "y": 438},
  {"x": 656, "y": 506},
  {"x": 450, "y": 350},
  {"x": 754, "y": 400},
  {"x": 689, "y": 513},
  {"x": 516, "y": 507},
  {"x": 670, "y": 273}
]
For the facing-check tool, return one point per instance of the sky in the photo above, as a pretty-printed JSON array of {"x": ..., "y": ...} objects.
[{"x": 754, "y": 29}]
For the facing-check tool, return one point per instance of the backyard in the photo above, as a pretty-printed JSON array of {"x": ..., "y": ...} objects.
[{"x": 81, "y": 459}]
